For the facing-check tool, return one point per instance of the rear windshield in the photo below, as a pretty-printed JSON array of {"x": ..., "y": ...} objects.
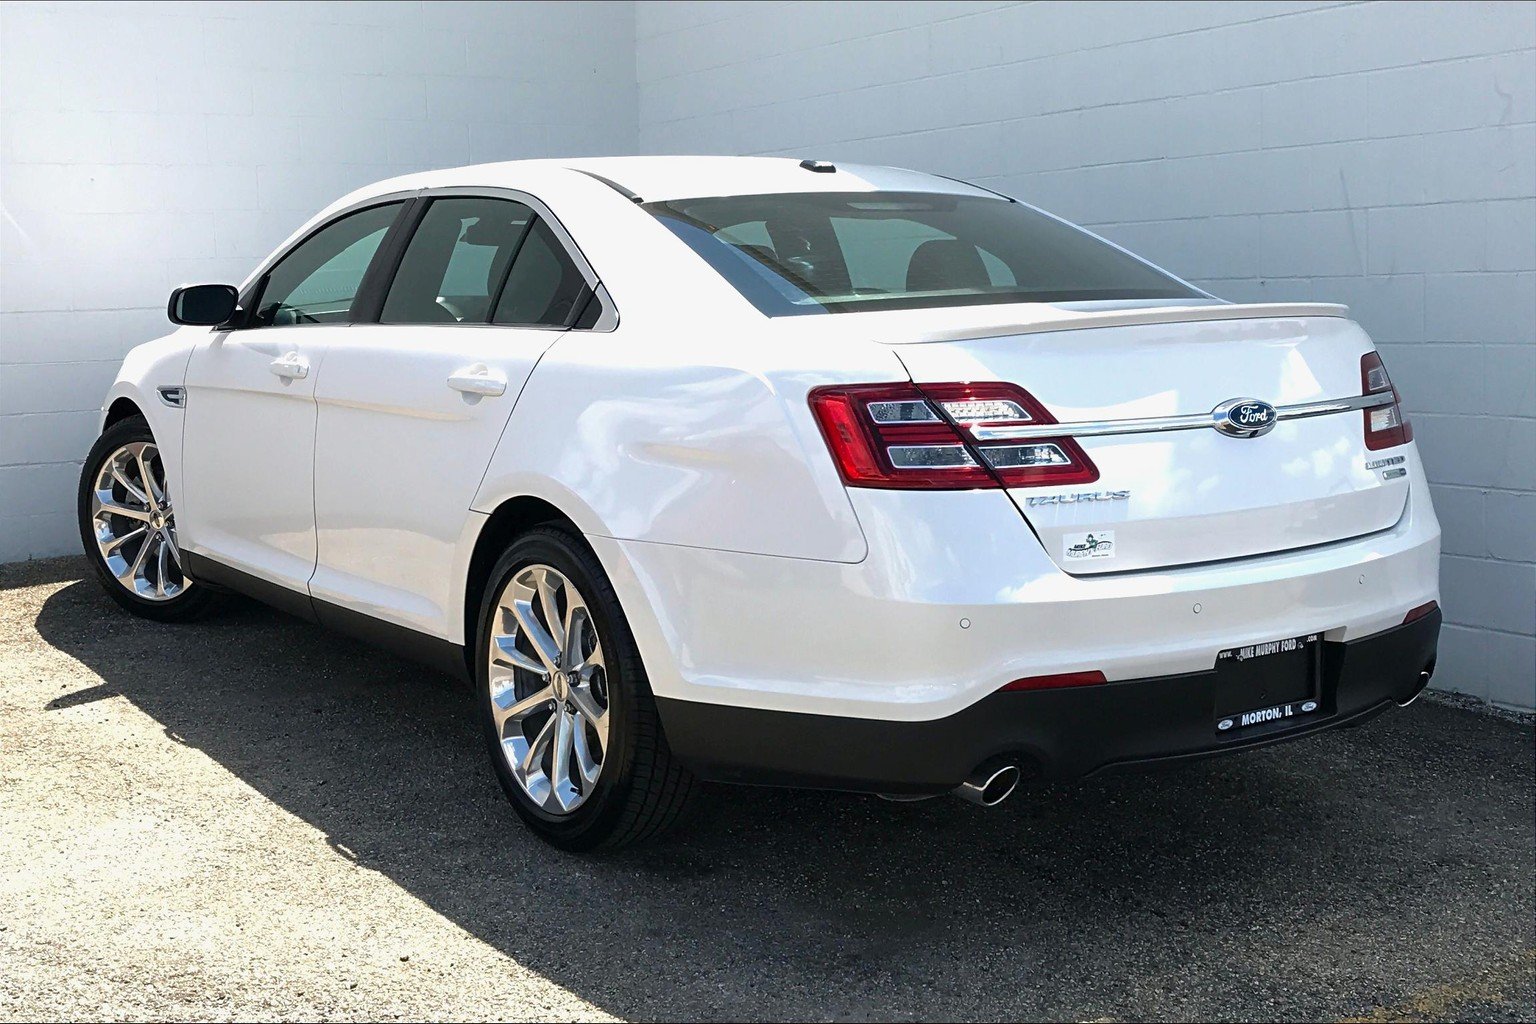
[{"x": 840, "y": 252}]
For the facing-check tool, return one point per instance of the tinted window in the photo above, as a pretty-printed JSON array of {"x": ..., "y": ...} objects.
[
  {"x": 456, "y": 261},
  {"x": 317, "y": 281},
  {"x": 545, "y": 287},
  {"x": 841, "y": 252}
]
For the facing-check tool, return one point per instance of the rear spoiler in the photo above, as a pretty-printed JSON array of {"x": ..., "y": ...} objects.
[{"x": 1055, "y": 318}]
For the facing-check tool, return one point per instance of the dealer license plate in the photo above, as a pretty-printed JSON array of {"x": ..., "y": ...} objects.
[{"x": 1265, "y": 683}]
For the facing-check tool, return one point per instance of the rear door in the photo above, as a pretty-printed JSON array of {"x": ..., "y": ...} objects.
[
  {"x": 1141, "y": 401},
  {"x": 248, "y": 448},
  {"x": 412, "y": 405}
]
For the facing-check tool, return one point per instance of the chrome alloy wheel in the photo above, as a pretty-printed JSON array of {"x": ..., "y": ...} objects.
[
  {"x": 135, "y": 525},
  {"x": 549, "y": 688}
]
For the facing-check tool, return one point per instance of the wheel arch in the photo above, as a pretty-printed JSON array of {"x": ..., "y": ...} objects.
[
  {"x": 504, "y": 520},
  {"x": 512, "y": 517},
  {"x": 119, "y": 409},
  {"x": 529, "y": 500}
]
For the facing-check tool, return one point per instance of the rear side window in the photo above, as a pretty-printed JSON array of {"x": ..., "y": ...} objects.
[
  {"x": 317, "y": 281},
  {"x": 840, "y": 252},
  {"x": 545, "y": 287},
  {"x": 456, "y": 261}
]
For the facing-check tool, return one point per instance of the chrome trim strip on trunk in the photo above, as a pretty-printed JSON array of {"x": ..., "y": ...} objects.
[{"x": 1162, "y": 424}]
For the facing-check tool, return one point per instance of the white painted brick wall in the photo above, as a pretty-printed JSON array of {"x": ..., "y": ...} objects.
[
  {"x": 143, "y": 145},
  {"x": 1379, "y": 154}
]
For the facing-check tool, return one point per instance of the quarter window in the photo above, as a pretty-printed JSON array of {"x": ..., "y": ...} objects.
[
  {"x": 545, "y": 288},
  {"x": 317, "y": 281}
]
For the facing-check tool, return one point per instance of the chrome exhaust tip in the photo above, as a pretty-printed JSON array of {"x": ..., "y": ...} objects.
[
  {"x": 989, "y": 786},
  {"x": 1424, "y": 678}
]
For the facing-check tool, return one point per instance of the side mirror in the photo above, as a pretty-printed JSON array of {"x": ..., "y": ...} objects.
[{"x": 202, "y": 305}]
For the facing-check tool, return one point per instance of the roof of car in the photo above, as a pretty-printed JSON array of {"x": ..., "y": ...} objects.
[{"x": 651, "y": 178}]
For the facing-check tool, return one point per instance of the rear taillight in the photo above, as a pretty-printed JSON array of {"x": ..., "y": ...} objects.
[
  {"x": 917, "y": 436},
  {"x": 1385, "y": 426}
]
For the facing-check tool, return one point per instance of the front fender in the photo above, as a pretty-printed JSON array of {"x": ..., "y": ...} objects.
[{"x": 145, "y": 369}]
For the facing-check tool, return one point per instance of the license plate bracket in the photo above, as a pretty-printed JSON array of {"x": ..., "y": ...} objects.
[{"x": 1268, "y": 684}]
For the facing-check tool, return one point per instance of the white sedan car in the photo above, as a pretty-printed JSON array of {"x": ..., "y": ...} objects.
[{"x": 775, "y": 471}]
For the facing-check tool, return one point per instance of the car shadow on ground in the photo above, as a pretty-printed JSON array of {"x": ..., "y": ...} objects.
[{"x": 1305, "y": 880}]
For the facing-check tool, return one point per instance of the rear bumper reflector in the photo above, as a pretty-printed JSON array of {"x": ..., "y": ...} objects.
[{"x": 1056, "y": 681}]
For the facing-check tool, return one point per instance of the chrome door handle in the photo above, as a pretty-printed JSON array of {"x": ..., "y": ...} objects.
[
  {"x": 478, "y": 380},
  {"x": 290, "y": 367}
]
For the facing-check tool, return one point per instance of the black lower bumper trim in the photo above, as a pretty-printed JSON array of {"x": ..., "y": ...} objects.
[{"x": 1053, "y": 734}]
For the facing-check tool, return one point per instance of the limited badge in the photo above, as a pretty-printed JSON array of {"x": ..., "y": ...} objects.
[{"x": 1099, "y": 544}]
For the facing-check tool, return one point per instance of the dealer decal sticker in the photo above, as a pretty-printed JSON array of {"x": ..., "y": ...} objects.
[{"x": 1099, "y": 544}]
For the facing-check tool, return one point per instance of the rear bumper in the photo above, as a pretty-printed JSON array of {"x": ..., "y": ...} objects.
[
  {"x": 1053, "y": 734},
  {"x": 956, "y": 598}
]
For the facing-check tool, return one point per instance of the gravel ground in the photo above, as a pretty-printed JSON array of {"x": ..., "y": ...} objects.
[{"x": 252, "y": 818}]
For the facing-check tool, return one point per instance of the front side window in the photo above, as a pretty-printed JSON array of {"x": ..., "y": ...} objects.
[
  {"x": 456, "y": 262},
  {"x": 840, "y": 252},
  {"x": 317, "y": 281}
]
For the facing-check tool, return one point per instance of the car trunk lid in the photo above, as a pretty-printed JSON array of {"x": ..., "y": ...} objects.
[{"x": 1172, "y": 497}]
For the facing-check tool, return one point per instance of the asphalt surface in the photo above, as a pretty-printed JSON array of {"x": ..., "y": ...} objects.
[{"x": 252, "y": 818}]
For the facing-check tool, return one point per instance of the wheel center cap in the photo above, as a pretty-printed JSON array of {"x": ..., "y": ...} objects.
[
  {"x": 559, "y": 684},
  {"x": 157, "y": 521}
]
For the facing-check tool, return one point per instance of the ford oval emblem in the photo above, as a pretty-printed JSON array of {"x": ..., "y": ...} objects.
[{"x": 1244, "y": 417}]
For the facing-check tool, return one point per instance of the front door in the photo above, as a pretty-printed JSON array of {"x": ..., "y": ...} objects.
[{"x": 248, "y": 447}]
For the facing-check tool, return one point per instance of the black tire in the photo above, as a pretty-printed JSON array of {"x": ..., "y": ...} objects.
[
  {"x": 642, "y": 790},
  {"x": 194, "y": 601}
]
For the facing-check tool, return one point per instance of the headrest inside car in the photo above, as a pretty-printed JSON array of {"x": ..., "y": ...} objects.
[
  {"x": 942, "y": 264},
  {"x": 497, "y": 232}
]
